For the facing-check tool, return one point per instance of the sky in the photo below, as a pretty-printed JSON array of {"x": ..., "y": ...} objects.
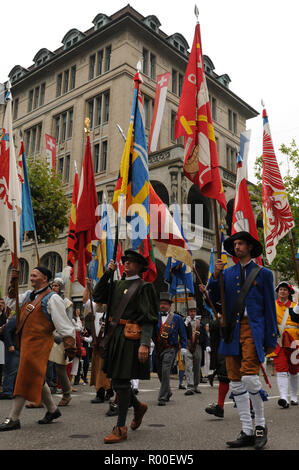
[{"x": 254, "y": 42}]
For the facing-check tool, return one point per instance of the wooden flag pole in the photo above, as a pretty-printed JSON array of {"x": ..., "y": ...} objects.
[
  {"x": 206, "y": 294},
  {"x": 294, "y": 256},
  {"x": 218, "y": 244},
  {"x": 16, "y": 280}
]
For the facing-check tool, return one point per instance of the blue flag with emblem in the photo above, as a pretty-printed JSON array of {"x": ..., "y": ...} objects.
[
  {"x": 27, "y": 223},
  {"x": 133, "y": 182}
]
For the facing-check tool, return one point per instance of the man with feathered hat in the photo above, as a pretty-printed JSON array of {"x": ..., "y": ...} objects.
[{"x": 252, "y": 331}]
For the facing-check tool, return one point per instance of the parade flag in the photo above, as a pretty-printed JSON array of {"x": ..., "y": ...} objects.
[
  {"x": 147, "y": 250},
  {"x": 133, "y": 183},
  {"x": 277, "y": 215},
  {"x": 176, "y": 272},
  {"x": 194, "y": 123},
  {"x": 86, "y": 214},
  {"x": 166, "y": 233},
  {"x": 119, "y": 254},
  {"x": 212, "y": 264},
  {"x": 72, "y": 239},
  {"x": 51, "y": 151},
  {"x": 10, "y": 191},
  {"x": 223, "y": 252},
  {"x": 243, "y": 218},
  {"x": 104, "y": 251},
  {"x": 27, "y": 223},
  {"x": 160, "y": 99}
]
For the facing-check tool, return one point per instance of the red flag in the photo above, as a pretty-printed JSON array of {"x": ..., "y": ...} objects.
[
  {"x": 51, "y": 151},
  {"x": 146, "y": 249},
  {"x": 243, "y": 217},
  {"x": 72, "y": 239},
  {"x": 119, "y": 254},
  {"x": 194, "y": 122},
  {"x": 86, "y": 214},
  {"x": 277, "y": 215}
]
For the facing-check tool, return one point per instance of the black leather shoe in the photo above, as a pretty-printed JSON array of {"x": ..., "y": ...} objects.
[
  {"x": 283, "y": 403},
  {"x": 98, "y": 400},
  {"x": 215, "y": 410},
  {"x": 161, "y": 403},
  {"x": 182, "y": 387},
  {"x": 113, "y": 410},
  {"x": 10, "y": 425},
  {"x": 169, "y": 396},
  {"x": 189, "y": 392},
  {"x": 260, "y": 437},
  {"x": 294, "y": 403},
  {"x": 196, "y": 390},
  {"x": 242, "y": 441},
  {"x": 48, "y": 418}
]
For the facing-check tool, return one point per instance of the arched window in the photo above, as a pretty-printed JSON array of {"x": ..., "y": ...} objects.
[
  {"x": 179, "y": 42},
  {"x": 195, "y": 197},
  {"x": 153, "y": 22},
  {"x": 42, "y": 56},
  {"x": 161, "y": 190},
  {"x": 23, "y": 272},
  {"x": 53, "y": 262},
  {"x": 100, "y": 20},
  {"x": 16, "y": 73},
  {"x": 72, "y": 37}
]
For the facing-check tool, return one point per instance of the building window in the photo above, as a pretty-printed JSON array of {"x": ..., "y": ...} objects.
[
  {"x": 174, "y": 81},
  {"x": 100, "y": 156},
  {"x": 73, "y": 77},
  {"x": 100, "y": 62},
  {"x": 108, "y": 58},
  {"x": 98, "y": 109},
  {"x": 66, "y": 81},
  {"x": 145, "y": 61},
  {"x": 172, "y": 126},
  {"x": 33, "y": 139},
  {"x": 100, "y": 197},
  {"x": 92, "y": 63},
  {"x": 59, "y": 85},
  {"x": 231, "y": 159},
  {"x": 153, "y": 67},
  {"x": 53, "y": 262},
  {"x": 23, "y": 272},
  {"x": 104, "y": 155},
  {"x": 67, "y": 169},
  {"x": 235, "y": 127},
  {"x": 30, "y": 101},
  {"x": 181, "y": 82},
  {"x": 63, "y": 124},
  {"x": 15, "y": 108},
  {"x": 96, "y": 158},
  {"x": 97, "y": 61},
  {"x": 214, "y": 108},
  {"x": 232, "y": 121}
]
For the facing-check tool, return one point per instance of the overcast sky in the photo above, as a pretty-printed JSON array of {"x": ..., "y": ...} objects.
[{"x": 255, "y": 43}]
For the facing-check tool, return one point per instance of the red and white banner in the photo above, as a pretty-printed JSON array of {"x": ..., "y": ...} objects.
[
  {"x": 243, "y": 217},
  {"x": 51, "y": 151},
  {"x": 10, "y": 187},
  {"x": 277, "y": 215},
  {"x": 160, "y": 99}
]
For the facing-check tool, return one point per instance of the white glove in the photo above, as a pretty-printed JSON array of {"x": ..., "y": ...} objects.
[
  {"x": 208, "y": 349},
  {"x": 183, "y": 352}
]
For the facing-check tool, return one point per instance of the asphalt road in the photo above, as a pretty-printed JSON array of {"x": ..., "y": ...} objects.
[{"x": 182, "y": 425}]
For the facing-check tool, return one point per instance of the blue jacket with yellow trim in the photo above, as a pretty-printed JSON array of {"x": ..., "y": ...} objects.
[{"x": 260, "y": 308}]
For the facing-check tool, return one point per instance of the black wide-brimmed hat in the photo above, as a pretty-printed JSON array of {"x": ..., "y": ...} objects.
[
  {"x": 166, "y": 297},
  {"x": 132, "y": 255},
  {"x": 287, "y": 285},
  {"x": 256, "y": 251}
]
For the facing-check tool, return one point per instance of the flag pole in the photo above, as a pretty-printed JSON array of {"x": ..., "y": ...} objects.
[
  {"x": 15, "y": 260},
  {"x": 218, "y": 244},
  {"x": 87, "y": 132},
  {"x": 294, "y": 255}
]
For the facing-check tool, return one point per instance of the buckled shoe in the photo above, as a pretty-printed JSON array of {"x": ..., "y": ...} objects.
[
  {"x": 260, "y": 437},
  {"x": 243, "y": 440}
]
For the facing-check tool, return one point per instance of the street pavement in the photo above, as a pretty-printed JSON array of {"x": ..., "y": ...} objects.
[{"x": 182, "y": 425}]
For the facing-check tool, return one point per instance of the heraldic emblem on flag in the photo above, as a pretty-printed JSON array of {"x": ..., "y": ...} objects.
[
  {"x": 194, "y": 122},
  {"x": 277, "y": 215}
]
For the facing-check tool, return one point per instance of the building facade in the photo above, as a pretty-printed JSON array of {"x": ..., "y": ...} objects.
[{"x": 91, "y": 75}]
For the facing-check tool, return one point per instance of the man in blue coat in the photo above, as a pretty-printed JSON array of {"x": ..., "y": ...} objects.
[
  {"x": 253, "y": 333},
  {"x": 169, "y": 331}
]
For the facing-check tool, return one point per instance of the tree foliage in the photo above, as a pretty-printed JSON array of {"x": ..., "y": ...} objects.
[
  {"x": 283, "y": 261},
  {"x": 50, "y": 204}
]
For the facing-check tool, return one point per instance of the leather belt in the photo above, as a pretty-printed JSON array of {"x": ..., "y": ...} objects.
[{"x": 121, "y": 321}]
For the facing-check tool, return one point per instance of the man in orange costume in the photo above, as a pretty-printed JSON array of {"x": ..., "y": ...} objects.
[
  {"x": 42, "y": 311},
  {"x": 286, "y": 352}
]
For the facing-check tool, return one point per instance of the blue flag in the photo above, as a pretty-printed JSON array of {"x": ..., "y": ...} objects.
[{"x": 27, "y": 223}]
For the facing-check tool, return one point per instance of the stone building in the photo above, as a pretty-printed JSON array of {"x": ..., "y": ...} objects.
[{"x": 91, "y": 75}]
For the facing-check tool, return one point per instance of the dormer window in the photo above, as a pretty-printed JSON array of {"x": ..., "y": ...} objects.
[
  {"x": 152, "y": 22},
  {"x": 225, "y": 80},
  {"x": 72, "y": 37},
  {"x": 100, "y": 20},
  {"x": 42, "y": 56},
  {"x": 16, "y": 73},
  {"x": 179, "y": 42}
]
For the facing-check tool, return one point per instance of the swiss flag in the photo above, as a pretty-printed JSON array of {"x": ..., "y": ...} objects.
[{"x": 51, "y": 151}]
